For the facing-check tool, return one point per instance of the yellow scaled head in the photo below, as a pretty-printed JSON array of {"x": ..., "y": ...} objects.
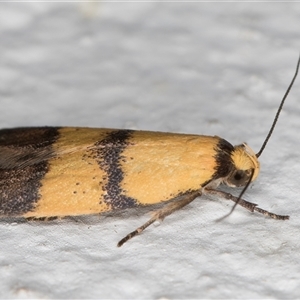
[{"x": 245, "y": 162}]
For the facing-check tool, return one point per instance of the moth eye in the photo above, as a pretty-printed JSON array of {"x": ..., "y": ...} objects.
[{"x": 238, "y": 178}]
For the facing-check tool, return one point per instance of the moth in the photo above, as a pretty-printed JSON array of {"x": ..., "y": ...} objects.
[{"x": 69, "y": 171}]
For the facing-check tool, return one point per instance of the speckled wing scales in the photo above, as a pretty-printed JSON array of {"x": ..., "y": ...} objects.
[{"x": 24, "y": 155}]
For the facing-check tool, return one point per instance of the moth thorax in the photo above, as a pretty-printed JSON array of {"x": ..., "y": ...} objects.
[{"x": 244, "y": 164}]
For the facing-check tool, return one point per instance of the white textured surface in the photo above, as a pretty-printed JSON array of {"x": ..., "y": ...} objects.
[{"x": 207, "y": 68}]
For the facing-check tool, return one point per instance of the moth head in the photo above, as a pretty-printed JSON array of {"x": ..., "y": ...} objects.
[{"x": 245, "y": 164}]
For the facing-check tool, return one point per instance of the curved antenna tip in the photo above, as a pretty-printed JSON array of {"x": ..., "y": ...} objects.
[{"x": 278, "y": 111}]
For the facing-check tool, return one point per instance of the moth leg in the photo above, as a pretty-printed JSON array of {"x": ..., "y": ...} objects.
[
  {"x": 246, "y": 204},
  {"x": 162, "y": 213},
  {"x": 42, "y": 219}
]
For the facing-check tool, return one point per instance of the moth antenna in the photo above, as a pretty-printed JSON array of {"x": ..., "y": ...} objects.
[
  {"x": 278, "y": 111},
  {"x": 265, "y": 142}
]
